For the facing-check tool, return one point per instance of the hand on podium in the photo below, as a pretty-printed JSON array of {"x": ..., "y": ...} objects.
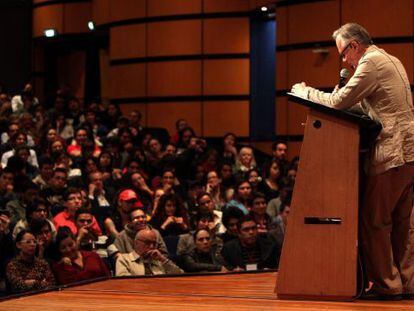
[{"x": 301, "y": 90}]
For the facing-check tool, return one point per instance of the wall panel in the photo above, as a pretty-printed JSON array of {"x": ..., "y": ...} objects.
[
  {"x": 282, "y": 113},
  {"x": 313, "y": 21},
  {"x": 318, "y": 70},
  {"x": 126, "y": 9},
  {"x": 282, "y": 20},
  {"x": 76, "y": 17},
  {"x": 174, "y": 78},
  {"x": 100, "y": 11},
  {"x": 223, "y": 117},
  {"x": 127, "y": 81},
  {"x": 294, "y": 149},
  {"x": 226, "y": 77},
  {"x": 229, "y": 35},
  {"x": 382, "y": 18},
  {"x": 211, "y": 6},
  {"x": 173, "y": 7},
  {"x": 174, "y": 38},
  {"x": 166, "y": 114},
  {"x": 46, "y": 17},
  {"x": 282, "y": 71},
  {"x": 128, "y": 41}
]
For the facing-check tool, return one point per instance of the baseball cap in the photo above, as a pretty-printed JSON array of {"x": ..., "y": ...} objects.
[{"x": 130, "y": 195}]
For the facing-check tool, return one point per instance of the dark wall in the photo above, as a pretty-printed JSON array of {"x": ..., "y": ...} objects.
[{"x": 15, "y": 47}]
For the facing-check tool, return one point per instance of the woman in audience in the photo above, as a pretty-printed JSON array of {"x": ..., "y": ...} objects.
[
  {"x": 253, "y": 176},
  {"x": 26, "y": 272},
  {"x": 170, "y": 218},
  {"x": 76, "y": 265},
  {"x": 203, "y": 258},
  {"x": 245, "y": 161},
  {"x": 258, "y": 212},
  {"x": 42, "y": 230},
  {"x": 243, "y": 191},
  {"x": 229, "y": 153},
  {"x": 145, "y": 194},
  {"x": 270, "y": 187}
]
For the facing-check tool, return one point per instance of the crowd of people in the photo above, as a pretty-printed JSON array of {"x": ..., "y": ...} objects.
[{"x": 87, "y": 192}]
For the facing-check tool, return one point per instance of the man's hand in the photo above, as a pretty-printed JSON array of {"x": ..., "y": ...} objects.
[
  {"x": 300, "y": 89},
  {"x": 156, "y": 255},
  {"x": 4, "y": 224}
]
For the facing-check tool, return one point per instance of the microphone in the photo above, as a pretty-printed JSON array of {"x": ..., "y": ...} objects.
[{"x": 343, "y": 75}]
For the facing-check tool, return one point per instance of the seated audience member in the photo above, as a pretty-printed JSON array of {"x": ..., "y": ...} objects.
[
  {"x": 170, "y": 217},
  {"x": 180, "y": 124},
  {"x": 205, "y": 203},
  {"x": 100, "y": 197},
  {"x": 229, "y": 153},
  {"x": 46, "y": 173},
  {"x": 158, "y": 193},
  {"x": 250, "y": 251},
  {"x": 203, "y": 257},
  {"x": 87, "y": 234},
  {"x": 36, "y": 210},
  {"x": 279, "y": 225},
  {"x": 270, "y": 186},
  {"x": 146, "y": 259},
  {"x": 226, "y": 176},
  {"x": 73, "y": 201},
  {"x": 19, "y": 139},
  {"x": 124, "y": 242},
  {"x": 26, "y": 272},
  {"x": 274, "y": 205},
  {"x": 6, "y": 187},
  {"x": 12, "y": 129},
  {"x": 203, "y": 220},
  {"x": 53, "y": 193},
  {"x": 115, "y": 223},
  {"x": 213, "y": 187},
  {"x": 17, "y": 208},
  {"x": 258, "y": 213},
  {"x": 6, "y": 247},
  {"x": 245, "y": 161},
  {"x": 42, "y": 230},
  {"x": 76, "y": 265},
  {"x": 254, "y": 178},
  {"x": 243, "y": 191},
  {"x": 231, "y": 217}
]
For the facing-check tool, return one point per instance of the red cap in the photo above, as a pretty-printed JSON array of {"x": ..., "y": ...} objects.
[{"x": 130, "y": 195}]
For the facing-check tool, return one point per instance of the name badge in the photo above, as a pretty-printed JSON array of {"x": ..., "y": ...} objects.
[{"x": 251, "y": 267}]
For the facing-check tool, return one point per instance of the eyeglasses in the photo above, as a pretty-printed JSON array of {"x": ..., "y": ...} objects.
[{"x": 343, "y": 53}]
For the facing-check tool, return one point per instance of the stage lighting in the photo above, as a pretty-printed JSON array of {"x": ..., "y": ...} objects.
[
  {"x": 50, "y": 33},
  {"x": 91, "y": 25},
  {"x": 263, "y": 9}
]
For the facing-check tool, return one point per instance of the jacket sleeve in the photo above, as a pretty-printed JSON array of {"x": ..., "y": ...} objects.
[
  {"x": 361, "y": 85},
  {"x": 190, "y": 265},
  {"x": 121, "y": 267}
]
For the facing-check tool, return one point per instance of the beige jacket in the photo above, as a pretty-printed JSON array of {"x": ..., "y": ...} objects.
[
  {"x": 380, "y": 86},
  {"x": 133, "y": 264}
]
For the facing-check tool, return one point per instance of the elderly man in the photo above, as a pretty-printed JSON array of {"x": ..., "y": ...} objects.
[
  {"x": 381, "y": 89},
  {"x": 146, "y": 259}
]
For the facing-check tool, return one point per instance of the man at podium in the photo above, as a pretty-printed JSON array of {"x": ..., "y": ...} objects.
[{"x": 380, "y": 88}]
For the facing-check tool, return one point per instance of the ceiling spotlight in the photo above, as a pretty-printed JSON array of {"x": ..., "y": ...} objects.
[
  {"x": 91, "y": 25},
  {"x": 50, "y": 33},
  {"x": 263, "y": 9}
]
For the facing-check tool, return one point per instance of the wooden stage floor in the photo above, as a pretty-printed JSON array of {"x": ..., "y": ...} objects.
[{"x": 253, "y": 291}]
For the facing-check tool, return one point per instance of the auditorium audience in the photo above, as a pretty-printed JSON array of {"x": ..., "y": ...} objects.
[{"x": 129, "y": 179}]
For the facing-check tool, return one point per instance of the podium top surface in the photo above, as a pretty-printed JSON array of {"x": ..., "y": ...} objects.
[{"x": 362, "y": 120}]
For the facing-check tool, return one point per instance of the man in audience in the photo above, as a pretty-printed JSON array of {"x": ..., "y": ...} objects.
[
  {"x": 231, "y": 217},
  {"x": 53, "y": 193},
  {"x": 146, "y": 259},
  {"x": 250, "y": 251}
]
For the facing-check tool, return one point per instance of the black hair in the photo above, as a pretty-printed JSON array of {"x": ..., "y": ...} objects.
[
  {"x": 231, "y": 212},
  {"x": 82, "y": 210},
  {"x": 244, "y": 219}
]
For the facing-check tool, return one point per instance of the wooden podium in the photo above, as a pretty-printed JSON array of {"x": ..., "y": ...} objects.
[{"x": 320, "y": 250}]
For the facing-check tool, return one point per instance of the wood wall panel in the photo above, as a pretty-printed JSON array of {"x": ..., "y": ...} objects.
[
  {"x": 382, "y": 18},
  {"x": 127, "y": 81},
  {"x": 313, "y": 21},
  {"x": 71, "y": 71},
  {"x": 128, "y": 41},
  {"x": 100, "y": 11},
  {"x": 404, "y": 52},
  {"x": 166, "y": 114},
  {"x": 47, "y": 17},
  {"x": 282, "y": 114},
  {"x": 229, "y": 35},
  {"x": 223, "y": 117},
  {"x": 173, "y": 7},
  {"x": 282, "y": 71},
  {"x": 294, "y": 149},
  {"x": 282, "y": 20},
  {"x": 128, "y": 108},
  {"x": 174, "y": 78},
  {"x": 39, "y": 1},
  {"x": 296, "y": 118},
  {"x": 226, "y": 77},
  {"x": 318, "y": 70},
  {"x": 127, "y": 9},
  {"x": 211, "y": 6},
  {"x": 76, "y": 17},
  {"x": 174, "y": 38}
]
